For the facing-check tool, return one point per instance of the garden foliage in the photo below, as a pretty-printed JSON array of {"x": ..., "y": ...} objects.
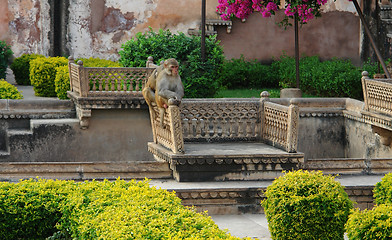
[
  {"x": 306, "y": 205},
  {"x": 9, "y": 91},
  {"x": 36, "y": 209},
  {"x": 5, "y": 55},
  {"x": 43, "y": 75},
  {"x": 377, "y": 222},
  {"x": 370, "y": 224},
  {"x": 383, "y": 190},
  {"x": 329, "y": 78},
  {"x": 240, "y": 73},
  {"x": 199, "y": 79},
  {"x": 21, "y": 68}
]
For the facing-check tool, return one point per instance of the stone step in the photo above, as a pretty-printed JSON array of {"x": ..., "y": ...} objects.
[
  {"x": 4, "y": 154},
  {"x": 239, "y": 197},
  {"x": 14, "y": 132},
  {"x": 80, "y": 171},
  {"x": 350, "y": 165}
]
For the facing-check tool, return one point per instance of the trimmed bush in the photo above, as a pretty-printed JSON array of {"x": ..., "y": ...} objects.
[
  {"x": 43, "y": 75},
  {"x": 239, "y": 73},
  {"x": 21, "y": 68},
  {"x": 97, "y": 62},
  {"x": 383, "y": 190},
  {"x": 370, "y": 224},
  {"x": 306, "y": 205},
  {"x": 199, "y": 79},
  {"x": 5, "y": 55},
  {"x": 30, "y": 209},
  {"x": 61, "y": 82},
  {"x": 9, "y": 91},
  {"x": 35, "y": 209}
]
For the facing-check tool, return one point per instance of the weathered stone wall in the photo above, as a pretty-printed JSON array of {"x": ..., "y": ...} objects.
[
  {"x": 113, "y": 136},
  {"x": 98, "y": 28}
]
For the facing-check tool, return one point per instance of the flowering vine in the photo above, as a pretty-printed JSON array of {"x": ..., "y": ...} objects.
[{"x": 305, "y": 10}]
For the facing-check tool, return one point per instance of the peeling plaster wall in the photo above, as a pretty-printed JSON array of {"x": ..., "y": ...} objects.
[
  {"x": 25, "y": 32},
  {"x": 98, "y": 28}
]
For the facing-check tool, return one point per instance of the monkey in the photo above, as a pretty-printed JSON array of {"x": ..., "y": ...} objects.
[
  {"x": 164, "y": 86},
  {"x": 149, "y": 90}
]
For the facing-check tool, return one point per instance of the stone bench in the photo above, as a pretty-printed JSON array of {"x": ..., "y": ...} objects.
[{"x": 227, "y": 139}]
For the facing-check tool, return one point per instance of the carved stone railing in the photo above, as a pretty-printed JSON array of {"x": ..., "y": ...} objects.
[
  {"x": 280, "y": 125},
  {"x": 227, "y": 120},
  {"x": 108, "y": 81},
  {"x": 106, "y": 88},
  {"x": 227, "y": 139},
  {"x": 169, "y": 133},
  {"x": 377, "y": 95}
]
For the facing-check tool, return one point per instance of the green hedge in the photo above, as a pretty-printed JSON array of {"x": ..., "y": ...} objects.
[
  {"x": 306, "y": 205},
  {"x": 383, "y": 190},
  {"x": 9, "y": 91},
  {"x": 330, "y": 78},
  {"x": 5, "y": 55},
  {"x": 43, "y": 75},
  {"x": 240, "y": 73},
  {"x": 370, "y": 224},
  {"x": 199, "y": 79},
  {"x": 36, "y": 209},
  {"x": 61, "y": 82},
  {"x": 377, "y": 222},
  {"x": 21, "y": 68}
]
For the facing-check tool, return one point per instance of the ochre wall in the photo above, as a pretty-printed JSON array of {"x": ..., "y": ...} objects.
[{"x": 335, "y": 34}]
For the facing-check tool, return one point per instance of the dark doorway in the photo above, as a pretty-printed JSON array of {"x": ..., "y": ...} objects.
[{"x": 58, "y": 29}]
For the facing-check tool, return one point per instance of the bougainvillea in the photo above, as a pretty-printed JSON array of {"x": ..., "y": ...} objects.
[{"x": 305, "y": 10}]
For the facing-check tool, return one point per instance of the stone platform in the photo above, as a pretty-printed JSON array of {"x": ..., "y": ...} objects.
[{"x": 227, "y": 161}]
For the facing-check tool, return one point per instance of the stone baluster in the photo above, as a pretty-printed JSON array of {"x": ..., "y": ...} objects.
[
  {"x": 176, "y": 128},
  {"x": 365, "y": 76},
  {"x": 264, "y": 98},
  {"x": 292, "y": 128},
  {"x": 83, "y": 78}
]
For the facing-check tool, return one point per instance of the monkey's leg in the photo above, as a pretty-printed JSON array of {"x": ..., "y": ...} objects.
[{"x": 162, "y": 116}]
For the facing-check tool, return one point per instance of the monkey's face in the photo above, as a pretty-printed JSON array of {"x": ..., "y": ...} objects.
[
  {"x": 171, "y": 67},
  {"x": 174, "y": 70}
]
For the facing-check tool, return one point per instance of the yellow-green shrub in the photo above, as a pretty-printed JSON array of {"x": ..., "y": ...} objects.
[
  {"x": 43, "y": 74},
  {"x": 370, "y": 224},
  {"x": 98, "y": 210},
  {"x": 21, "y": 68},
  {"x": 61, "y": 82},
  {"x": 30, "y": 209},
  {"x": 306, "y": 205},
  {"x": 97, "y": 62},
  {"x": 383, "y": 190},
  {"x": 9, "y": 91}
]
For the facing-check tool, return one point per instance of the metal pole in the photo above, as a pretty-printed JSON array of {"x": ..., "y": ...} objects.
[
  {"x": 296, "y": 49},
  {"x": 203, "y": 30},
  {"x": 372, "y": 42}
]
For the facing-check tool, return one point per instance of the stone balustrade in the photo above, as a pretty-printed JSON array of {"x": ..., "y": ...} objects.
[
  {"x": 377, "y": 95},
  {"x": 195, "y": 131},
  {"x": 106, "y": 88}
]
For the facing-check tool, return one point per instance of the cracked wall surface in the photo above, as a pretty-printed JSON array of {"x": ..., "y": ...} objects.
[{"x": 98, "y": 28}]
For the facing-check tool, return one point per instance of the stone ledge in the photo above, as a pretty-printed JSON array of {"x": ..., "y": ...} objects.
[{"x": 13, "y": 171}]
